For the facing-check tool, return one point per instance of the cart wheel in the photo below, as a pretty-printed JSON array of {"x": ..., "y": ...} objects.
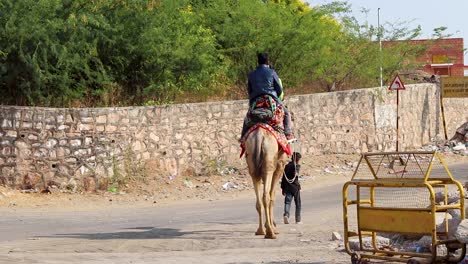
[
  {"x": 413, "y": 261},
  {"x": 355, "y": 258}
]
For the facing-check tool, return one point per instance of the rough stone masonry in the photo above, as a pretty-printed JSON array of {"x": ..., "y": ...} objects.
[{"x": 88, "y": 146}]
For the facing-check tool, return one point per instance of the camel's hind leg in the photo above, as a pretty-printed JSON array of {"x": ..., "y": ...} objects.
[{"x": 257, "y": 183}]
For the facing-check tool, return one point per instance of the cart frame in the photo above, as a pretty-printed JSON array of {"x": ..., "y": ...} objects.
[{"x": 420, "y": 221}]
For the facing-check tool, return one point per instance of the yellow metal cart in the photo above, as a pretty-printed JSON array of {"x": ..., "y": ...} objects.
[{"x": 402, "y": 193}]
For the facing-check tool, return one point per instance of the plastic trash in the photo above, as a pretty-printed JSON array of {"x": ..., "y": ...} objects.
[
  {"x": 460, "y": 146},
  {"x": 188, "y": 184},
  {"x": 229, "y": 185}
]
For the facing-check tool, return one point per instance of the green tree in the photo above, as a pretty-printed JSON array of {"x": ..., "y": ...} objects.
[
  {"x": 132, "y": 52},
  {"x": 180, "y": 53},
  {"x": 353, "y": 58},
  {"x": 49, "y": 52},
  {"x": 296, "y": 5},
  {"x": 244, "y": 27}
]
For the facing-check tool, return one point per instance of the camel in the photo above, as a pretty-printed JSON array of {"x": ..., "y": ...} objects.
[{"x": 266, "y": 161}]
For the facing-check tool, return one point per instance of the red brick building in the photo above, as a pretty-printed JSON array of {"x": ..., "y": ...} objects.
[{"x": 444, "y": 56}]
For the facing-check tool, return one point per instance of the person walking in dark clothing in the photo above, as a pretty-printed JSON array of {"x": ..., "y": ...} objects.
[{"x": 291, "y": 188}]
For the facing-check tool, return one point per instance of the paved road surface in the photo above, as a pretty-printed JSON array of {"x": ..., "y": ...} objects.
[{"x": 24, "y": 225}]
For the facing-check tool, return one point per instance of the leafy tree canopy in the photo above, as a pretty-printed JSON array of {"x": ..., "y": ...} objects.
[{"x": 134, "y": 52}]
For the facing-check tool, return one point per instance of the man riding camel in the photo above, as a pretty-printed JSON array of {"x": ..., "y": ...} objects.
[{"x": 265, "y": 81}]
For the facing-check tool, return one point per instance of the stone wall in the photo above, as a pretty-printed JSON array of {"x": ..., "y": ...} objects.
[{"x": 89, "y": 147}]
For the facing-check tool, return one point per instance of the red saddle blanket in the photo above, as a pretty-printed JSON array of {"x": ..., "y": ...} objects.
[
  {"x": 274, "y": 125},
  {"x": 280, "y": 138}
]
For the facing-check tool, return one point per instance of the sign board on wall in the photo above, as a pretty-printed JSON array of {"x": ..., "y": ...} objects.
[
  {"x": 454, "y": 86},
  {"x": 439, "y": 58}
]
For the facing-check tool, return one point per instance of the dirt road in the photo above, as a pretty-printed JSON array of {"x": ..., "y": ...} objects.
[
  {"x": 199, "y": 232},
  {"x": 189, "y": 232}
]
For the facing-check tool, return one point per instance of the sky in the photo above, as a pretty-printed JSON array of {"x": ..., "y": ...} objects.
[{"x": 429, "y": 14}]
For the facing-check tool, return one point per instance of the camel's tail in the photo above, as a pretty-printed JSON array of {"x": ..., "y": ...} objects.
[{"x": 257, "y": 154}]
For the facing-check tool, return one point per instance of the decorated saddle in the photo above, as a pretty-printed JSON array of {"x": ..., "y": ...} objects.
[{"x": 266, "y": 113}]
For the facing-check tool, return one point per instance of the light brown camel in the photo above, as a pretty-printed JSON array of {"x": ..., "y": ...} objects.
[{"x": 266, "y": 161}]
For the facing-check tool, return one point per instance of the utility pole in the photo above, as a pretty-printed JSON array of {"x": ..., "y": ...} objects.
[{"x": 380, "y": 45}]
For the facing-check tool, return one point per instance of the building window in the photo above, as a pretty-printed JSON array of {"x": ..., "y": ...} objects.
[{"x": 442, "y": 71}]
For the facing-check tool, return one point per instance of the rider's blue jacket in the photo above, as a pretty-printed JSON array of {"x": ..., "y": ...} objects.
[{"x": 264, "y": 80}]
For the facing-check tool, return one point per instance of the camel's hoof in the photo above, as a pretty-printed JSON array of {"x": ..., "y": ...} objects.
[
  {"x": 274, "y": 230},
  {"x": 270, "y": 234},
  {"x": 260, "y": 233}
]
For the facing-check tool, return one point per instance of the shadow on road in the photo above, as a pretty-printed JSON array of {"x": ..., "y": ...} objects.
[
  {"x": 281, "y": 262},
  {"x": 149, "y": 233},
  {"x": 276, "y": 262}
]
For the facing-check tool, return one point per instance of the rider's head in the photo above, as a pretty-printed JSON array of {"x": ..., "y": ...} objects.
[{"x": 263, "y": 58}]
